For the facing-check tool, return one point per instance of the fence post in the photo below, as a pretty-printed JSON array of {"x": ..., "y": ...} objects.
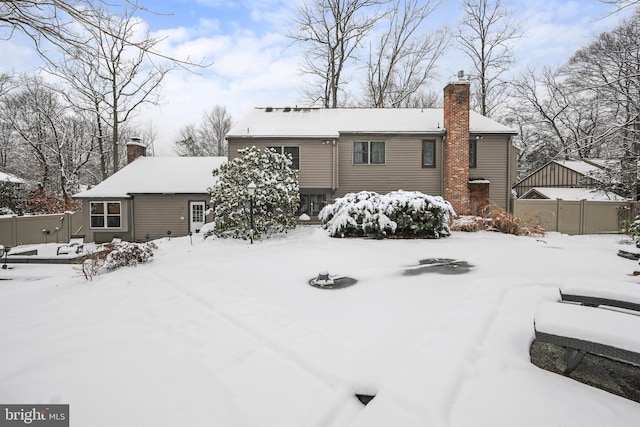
[
  {"x": 67, "y": 219},
  {"x": 14, "y": 230},
  {"x": 582, "y": 215}
]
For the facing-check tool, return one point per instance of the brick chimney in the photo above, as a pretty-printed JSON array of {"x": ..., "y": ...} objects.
[
  {"x": 135, "y": 149},
  {"x": 456, "y": 146}
]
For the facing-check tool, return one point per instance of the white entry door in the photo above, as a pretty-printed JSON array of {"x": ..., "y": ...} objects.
[{"x": 196, "y": 216}]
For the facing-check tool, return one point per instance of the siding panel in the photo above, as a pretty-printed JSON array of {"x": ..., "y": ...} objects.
[
  {"x": 553, "y": 175},
  {"x": 155, "y": 214},
  {"x": 315, "y": 158},
  {"x": 492, "y": 158},
  {"x": 402, "y": 169}
]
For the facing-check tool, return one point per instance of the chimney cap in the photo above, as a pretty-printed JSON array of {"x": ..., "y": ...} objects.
[{"x": 136, "y": 140}]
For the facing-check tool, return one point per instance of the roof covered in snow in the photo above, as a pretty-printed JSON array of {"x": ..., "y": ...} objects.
[
  {"x": 580, "y": 166},
  {"x": 572, "y": 194},
  {"x": 7, "y": 177},
  {"x": 158, "y": 175},
  {"x": 331, "y": 122}
]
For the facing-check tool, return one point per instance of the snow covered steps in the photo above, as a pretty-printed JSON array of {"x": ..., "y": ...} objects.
[
  {"x": 566, "y": 332},
  {"x": 583, "y": 330},
  {"x": 622, "y": 295}
]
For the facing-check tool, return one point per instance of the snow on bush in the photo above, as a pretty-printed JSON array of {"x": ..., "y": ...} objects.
[
  {"x": 633, "y": 229},
  {"x": 125, "y": 254},
  {"x": 399, "y": 213},
  {"x": 275, "y": 202},
  {"x": 115, "y": 255}
]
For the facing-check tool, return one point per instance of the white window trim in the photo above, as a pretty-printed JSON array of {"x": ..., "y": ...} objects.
[{"x": 105, "y": 215}]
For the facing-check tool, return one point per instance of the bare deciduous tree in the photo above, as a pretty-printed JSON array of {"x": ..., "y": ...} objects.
[
  {"x": 406, "y": 56},
  {"x": 622, "y": 4},
  {"x": 214, "y": 127},
  {"x": 208, "y": 138},
  {"x": 554, "y": 120},
  {"x": 62, "y": 23},
  {"x": 51, "y": 134},
  {"x": 112, "y": 75},
  {"x": 331, "y": 31},
  {"x": 609, "y": 69},
  {"x": 46, "y": 20},
  {"x": 485, "y": 36}
]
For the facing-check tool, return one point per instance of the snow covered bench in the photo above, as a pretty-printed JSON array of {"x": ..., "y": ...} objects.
[
  {"x": 621, "y": 295},
  {"x": 582, "y": 330}
]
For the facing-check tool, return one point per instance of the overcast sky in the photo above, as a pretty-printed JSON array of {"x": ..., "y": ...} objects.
[{"x": 255, "y": 66}]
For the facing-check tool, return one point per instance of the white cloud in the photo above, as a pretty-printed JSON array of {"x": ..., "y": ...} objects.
[
  {"x": 254, "y": 64},
  {"x": 248, "y": 70}
]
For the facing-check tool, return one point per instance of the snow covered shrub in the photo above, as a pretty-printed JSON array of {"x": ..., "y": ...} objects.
[
  {"x": 125, "y": 254},
  {"x": 632, "y": 229},
  {"x": 91, "y": 267},
  {"x": 406, "y": 214},
  {"x": 505, "y": 222},
  {"x": 275, "y": 202},
  {"x": 116, "y": 255}
]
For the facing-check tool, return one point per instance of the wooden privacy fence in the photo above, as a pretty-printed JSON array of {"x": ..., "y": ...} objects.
[
  {"x": 576, "y": 216},
  {"x": 21, "y": 230}
]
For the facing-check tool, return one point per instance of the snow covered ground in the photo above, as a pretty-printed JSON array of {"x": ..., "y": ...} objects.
[{"x": 223, "y": 333}]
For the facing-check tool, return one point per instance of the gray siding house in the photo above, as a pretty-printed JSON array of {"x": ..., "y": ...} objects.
[
  {"x": 343, "y": 150},
  {"x": 150, "y": 198}
]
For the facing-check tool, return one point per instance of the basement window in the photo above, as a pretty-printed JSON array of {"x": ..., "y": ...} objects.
[{"x": 106, "y": 215}]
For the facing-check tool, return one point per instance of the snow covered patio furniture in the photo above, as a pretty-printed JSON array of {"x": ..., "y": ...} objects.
[
  {"x": 574, "y": 333},
  {"x": 620, "y": 295},
  {"x": 75, "y": 245}
]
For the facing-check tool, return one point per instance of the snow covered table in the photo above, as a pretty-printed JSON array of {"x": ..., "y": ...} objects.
[
  {"x": 622, "y": 295},
  {"x": 583, "y": 330}
]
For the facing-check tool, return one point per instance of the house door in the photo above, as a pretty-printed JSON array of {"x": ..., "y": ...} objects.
[{"x": 196, "y": 216}]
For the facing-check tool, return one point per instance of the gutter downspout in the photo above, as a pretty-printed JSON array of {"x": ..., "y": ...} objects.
[
  {"x": 335, "y": 179},
  {"x": 510, "y": 175},
  {"x": 442, "y": 141},
  {"x": 132, "y": 221}
]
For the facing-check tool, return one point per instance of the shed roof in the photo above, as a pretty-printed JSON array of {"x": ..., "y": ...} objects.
[
  {"x": 331, "y": 122},
  {"x": 7, "y": 177},
  {"x": 572, "y": 194},
  {"x": 580, "y": 166},
  {"x": 158, "y": 175}
]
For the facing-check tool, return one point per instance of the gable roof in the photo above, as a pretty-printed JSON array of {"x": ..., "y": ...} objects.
[
  {"x": 158, "y": 175},
  {"x": 7, "y": 177},
  {"x": 580, "y": 166},
  {"x": 571, "y": 194},
  {"x": 331, "y": 122}
]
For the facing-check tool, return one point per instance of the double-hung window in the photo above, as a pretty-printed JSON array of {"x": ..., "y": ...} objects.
[
  {"x": 293, "y": 151},
  {"x": 368, "y": 152},
  {"x": 106, "y": 214}
]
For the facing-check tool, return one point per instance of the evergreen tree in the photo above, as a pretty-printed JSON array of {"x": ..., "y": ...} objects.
[
  {"x": 11, "y": 198},
  {"x": 275, "y": 202}
]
